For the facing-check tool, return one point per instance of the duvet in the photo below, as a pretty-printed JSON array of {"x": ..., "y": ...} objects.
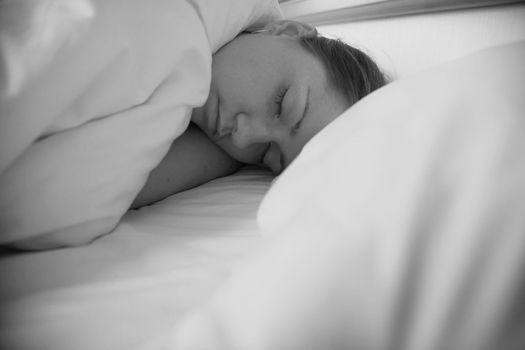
[{"x": 94, "y": 93}]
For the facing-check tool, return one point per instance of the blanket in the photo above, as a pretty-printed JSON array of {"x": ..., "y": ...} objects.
[{"x": 92, "y": 95}]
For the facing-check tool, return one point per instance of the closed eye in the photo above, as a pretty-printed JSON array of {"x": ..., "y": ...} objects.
[{"x": 279, "y": 98}]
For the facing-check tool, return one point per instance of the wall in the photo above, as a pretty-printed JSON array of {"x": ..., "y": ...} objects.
[{"x": 407, "y": 44}]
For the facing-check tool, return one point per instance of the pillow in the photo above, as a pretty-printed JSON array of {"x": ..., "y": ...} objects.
[{"x": 422, "y": 184}]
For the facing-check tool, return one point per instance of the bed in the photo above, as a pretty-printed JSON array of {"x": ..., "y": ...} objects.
[{"x": 416, "y": 240}]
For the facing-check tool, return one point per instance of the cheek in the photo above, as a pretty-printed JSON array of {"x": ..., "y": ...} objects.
[{"x": 228, "y": 87}]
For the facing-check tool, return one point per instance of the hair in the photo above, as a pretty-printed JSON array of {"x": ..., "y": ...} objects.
[{"x": 351, "y": 71}]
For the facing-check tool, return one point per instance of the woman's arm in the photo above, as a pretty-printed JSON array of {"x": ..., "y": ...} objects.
[{"x": 192, "y": 160}]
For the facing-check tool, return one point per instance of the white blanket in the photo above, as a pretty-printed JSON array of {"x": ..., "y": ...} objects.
[{"x": 92, "y": 95}]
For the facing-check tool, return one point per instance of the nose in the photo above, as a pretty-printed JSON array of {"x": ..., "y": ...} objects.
[{"x": 249, "y": 130}]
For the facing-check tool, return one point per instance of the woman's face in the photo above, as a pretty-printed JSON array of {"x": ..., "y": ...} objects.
[{"x": 268, "y": 97}]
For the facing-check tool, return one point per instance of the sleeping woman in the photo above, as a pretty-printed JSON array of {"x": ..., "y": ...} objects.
[{"x": 271, "y": 92}]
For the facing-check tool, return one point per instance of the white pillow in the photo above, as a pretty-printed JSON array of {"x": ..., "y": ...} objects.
[{"x": 422, "y": 184}]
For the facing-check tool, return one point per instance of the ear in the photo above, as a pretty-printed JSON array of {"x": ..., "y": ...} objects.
[{"x": 290, "y": 28}]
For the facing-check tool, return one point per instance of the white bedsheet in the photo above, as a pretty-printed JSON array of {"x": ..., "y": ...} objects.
[{"x": 127, "y": 290}]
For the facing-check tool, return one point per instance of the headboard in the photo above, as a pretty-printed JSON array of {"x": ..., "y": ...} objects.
[{"x": 406, "y": 36}]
